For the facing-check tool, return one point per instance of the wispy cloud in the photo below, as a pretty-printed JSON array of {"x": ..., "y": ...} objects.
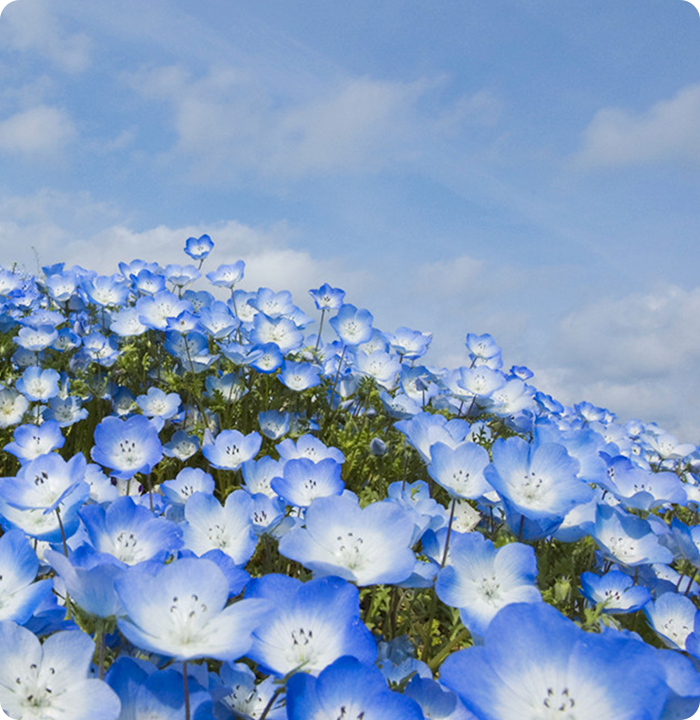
[
  {"x": 229, "y": 123},
  {"x": 668, "y": 131},
  {"x": 34, "y": 27},
  {"x": 39, "y": 132}
]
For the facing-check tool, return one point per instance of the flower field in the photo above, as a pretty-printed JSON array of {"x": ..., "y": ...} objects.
[{"x": 216, "y": 506}]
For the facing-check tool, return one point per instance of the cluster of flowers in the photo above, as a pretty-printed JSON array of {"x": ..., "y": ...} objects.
[{"x": 208, "y": 512}]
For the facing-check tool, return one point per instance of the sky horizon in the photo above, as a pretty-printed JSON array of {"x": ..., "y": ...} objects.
[{"x": 524, "y": 168}]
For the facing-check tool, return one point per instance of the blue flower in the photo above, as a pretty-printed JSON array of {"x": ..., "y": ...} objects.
[
  {"x": 38, "y": 385},
  {"x": 615, "y": 591},
  {"x": 50, "y": 680},
  {"x": 364, "y": 545},
  {"x": 314, "y": 624},
  {"x": 30, "y": 441},
  {"x": 181, "y": 611},
  {"x": 230, "y": 449},
  {"x": 353, "y": 326},
  {"x": 304, "y": 480},
  {"x": 535, "y": 663},
  {"x": 348, "y": 689},
  {"x": 199, "y": 248},
  {"x": 481, "y": 579},
  {"x": 127, "y": 446}
]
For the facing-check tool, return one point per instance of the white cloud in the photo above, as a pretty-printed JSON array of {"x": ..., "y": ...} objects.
[
  {"x": 668, "y": 131},
  {"x": 230, "y": 123},
  {"x": 637, "y": 355},
  {"x": 32, "y": 27},
  {"x": 41, "y": 131}
]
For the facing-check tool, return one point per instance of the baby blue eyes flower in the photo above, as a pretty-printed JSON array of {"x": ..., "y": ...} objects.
[
  {"x": 127, "y": 446},
  {"x": 50, "y": 680},
  {"x": 304, "y": 480},
  {"x": 38, "y": 385},
  {"x": 227, "y": 275},
  {"x": 353, "y": 326},
  {"x": 199, "y": 248},
  {"x": 327, "y": 297},
  {"x": 314, "y": 624},
  {"x": 347, "y": 690},
  {"x": 30, "y": 441},
  {"x": 230, "y": 449},
  {"x": 19, "y": 594},
  {"x": 363, "y": 545},
  {"x": 182, "y": 611},
  {"x": 481, "y": 579},
  {"x": 537, "y": 664},
  {"x": 211, "y": 526},
  {"x": 615, "y": 591}
]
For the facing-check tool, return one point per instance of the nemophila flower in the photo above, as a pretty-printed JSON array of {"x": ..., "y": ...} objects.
[
  {"x": 348, "y": 689},
  {"x": 415, "y": 499},
  {"x": 304, "y": 480},
  {"x": 258, "y": 474},
  {"x": 227, "y": 275},
  {"x": 299, "y": 376},
  {"x": 128, "y": 446},
  {"x": 185, "y": 323},
  {"x": 280, "y": 331},
  {"x": 46, "y": 483},
  {"x": 188, "y": 481},
  {"x": 314, "y": 624},
  {"x": 272, "y": 304},
  {"x": 535, "y": 663},
  {"x": 130, "y": 532},
  {"x": 436, "y": 702},
  {"x": 400, "y": 406},
  {"x": 230, "y": 387},
  {"x": 676, "y": 620},
  {"x": 353, "y": 326},
  {"x": 65, "y": 411},
  {"x": 460, "y": 469},
  {"x": 481, "y": 382},
  {"x": 327, "y": 297},
  {"x": 230, "y": 449},
  {"x": 212, "y": 526},
  {"x": 30, "y": 441},
  {"x": 364, "y": 545},
  {"x": 155, "y": 311},
  {"x": 379, "y": 365},
  {"x": 38, "y": 385},
  {"x": 481, "y": 579},
  {"x": 241, "y": 694},
  {"x": 181, "y": 445},
  {"x": 150, "y": 694},
  {"x": 181, "y": 275},
  {"x": 199, "y": 248},
  {"x": 410, "y": 344},
  {"x": 642, "y": 489},
  {"x": 218, "y": 320},
  {"x": 20, "y": 595},
  {"x": 181, "y": 611},
  {"x": 267, "y": 514},
  {"x": 482, "y": 347},
  {"x": 667, "y": 446},
  {"x": 36, "y": 339},
  {"x": 425, "y": 429},
  {"x": 627, "y": 539},
  {"x": 273, "y": 423},
  {"x": 88, "y": 577},
  {"x": 615, "y": 591},
  {"x": 126, "y": 323},
  {"x": 146, "y": 282},
  {"x": 538, "y": 484},
  {"x": 310, "y": 447},
  {"x": 50, "y": 680},
  {"x": 100, "y": 349},
  {"x": 191, "y": 350},
  {"x": 156, "y": 403}
]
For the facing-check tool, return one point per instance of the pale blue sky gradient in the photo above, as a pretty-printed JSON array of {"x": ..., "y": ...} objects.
[{"x": 528, "y": 168}]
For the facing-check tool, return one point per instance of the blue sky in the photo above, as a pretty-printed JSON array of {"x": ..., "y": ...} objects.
[{"x": 528, "y": 168}]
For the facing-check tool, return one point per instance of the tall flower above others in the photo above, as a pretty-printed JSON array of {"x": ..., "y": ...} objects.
[{"x": 352, "y": 325}]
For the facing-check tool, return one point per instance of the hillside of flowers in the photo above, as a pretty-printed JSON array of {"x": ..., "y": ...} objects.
[{"x": 215, "y": 506}]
